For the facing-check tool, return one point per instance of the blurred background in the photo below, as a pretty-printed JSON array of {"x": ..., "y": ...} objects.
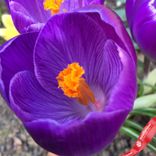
[{"x": 15, "y": 141}]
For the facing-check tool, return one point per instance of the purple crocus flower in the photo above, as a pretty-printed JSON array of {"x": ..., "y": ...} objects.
[
  {"x": 141, "y": 18},
  {"x": 73, "y": 90},
  {"x": 31, "y": 15}
]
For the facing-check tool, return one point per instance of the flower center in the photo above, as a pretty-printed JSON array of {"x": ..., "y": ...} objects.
[
  {"x": 72, "y": 83},
  {"x": 53, "y": 5}
]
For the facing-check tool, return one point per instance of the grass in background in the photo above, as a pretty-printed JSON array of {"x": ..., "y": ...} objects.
[{"x": 3, "y": 10}]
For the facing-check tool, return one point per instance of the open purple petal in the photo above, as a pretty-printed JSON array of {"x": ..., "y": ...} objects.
[
  {"x": 129, "y": 11},
  {"x": 28, "y": 13},
  {"x": 107, "y": 16},
  {"x": 79, "y": 138},
  {"x": 67, "y": 41},
  {"x": 16, "y": 56},
  {"x": 124, "y": 92},
  {"x": 2, "y": 87},
  {"x": 132, "y": 7},
  {"x": 35, "y": 9},
  {"x": 70, "y": 5},
  {"x": 21, "y": 17},
  {"x": 142, "y": 24},
  {"x": 95, "y": 1},
  {"x": 30, "y": 101},
  {"x": 41, "y": 116}
]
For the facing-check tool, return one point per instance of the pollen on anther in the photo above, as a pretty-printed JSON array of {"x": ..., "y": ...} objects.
[
  {"x": 69, "y": 79},
  {"x": 52, "y": 5},
  {"x": 73, "y": 85}
]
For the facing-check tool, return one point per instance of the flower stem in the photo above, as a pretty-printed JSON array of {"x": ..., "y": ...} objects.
[{"x": 146, "y": 66}]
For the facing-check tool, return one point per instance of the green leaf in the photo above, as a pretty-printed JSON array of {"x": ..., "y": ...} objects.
[
  {"x": 132, "y": 124},
  {"x": 143, "y": 112},
  {"x": 150, "y": 81},
  {"x": 140, "y": 88},
  {"x": 129, "y": 132},
  {"x": 145, "y": 101}
]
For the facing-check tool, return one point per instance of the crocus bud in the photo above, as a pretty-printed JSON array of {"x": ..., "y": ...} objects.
[{"x": 141, "y": 16}]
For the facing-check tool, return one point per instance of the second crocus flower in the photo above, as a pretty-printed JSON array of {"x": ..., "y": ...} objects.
[
  {"x": 141, "y": 15},
  {"x": 31, "y": 15}
]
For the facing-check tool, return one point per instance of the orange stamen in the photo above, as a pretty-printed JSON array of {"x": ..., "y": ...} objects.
[
  {"x": 73, "y": 85},
  {"x": 52, "y": 5}
]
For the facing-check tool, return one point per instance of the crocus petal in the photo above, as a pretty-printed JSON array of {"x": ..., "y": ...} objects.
[
  {"x": 80, "y": 138},
  {"x": 21, "y": 17},
  {"x": 2, "y": 88},
  {"x": 112, "y": 19},
  {"x": 65, "y": 44},
  {"x": 35, "y": 8},
  {"x": 124, "y": 93},
  {"x": 94, "y": 2},
  {"x": 16, "y": 55},
  {"x": 145, "y": 38},
  {"x": 130, "y": 4},
  {"x": 70, "y": 5},
  {"x": 132, "y": 7},
  {"x": 143, "y": 27},
  {"x": 30, "y": 101},
  {"x": 27, "y": 13},
  {"x": 42, "y": 119}
]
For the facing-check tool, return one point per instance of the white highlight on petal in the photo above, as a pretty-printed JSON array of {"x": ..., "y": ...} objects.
[{"x": 151, "y": 5}]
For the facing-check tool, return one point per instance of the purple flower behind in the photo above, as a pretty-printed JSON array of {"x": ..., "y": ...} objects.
[
  {"x": 141, "y": 18},
  {"x": 95, "y": 39},
  {"x": 30, "y": 15}
]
